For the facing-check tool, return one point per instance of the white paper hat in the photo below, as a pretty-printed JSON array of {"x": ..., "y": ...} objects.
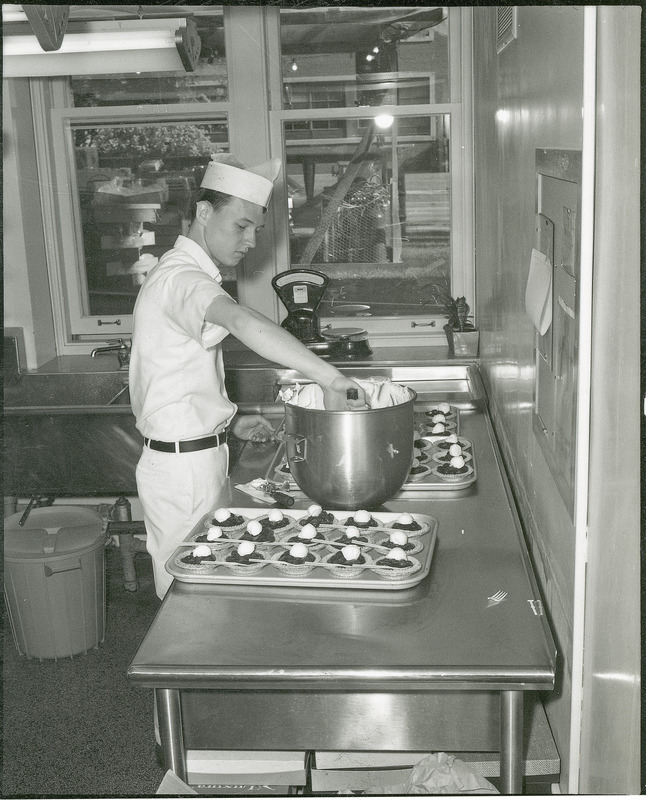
[{"x": 228, "y": 175}]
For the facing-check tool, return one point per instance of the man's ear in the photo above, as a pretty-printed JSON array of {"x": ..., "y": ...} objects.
[{"x": 203, "y": 211}]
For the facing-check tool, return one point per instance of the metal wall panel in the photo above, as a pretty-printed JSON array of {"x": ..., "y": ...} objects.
[
  {"x": 530, "y": 96},
  {"x": 527, "y": 97}
]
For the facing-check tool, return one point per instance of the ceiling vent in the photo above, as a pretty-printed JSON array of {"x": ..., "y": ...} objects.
[{"x": 506, "y": 26}]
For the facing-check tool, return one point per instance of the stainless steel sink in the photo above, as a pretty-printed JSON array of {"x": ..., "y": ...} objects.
[
  {"x": 65, "y": 394},
  {"x": 122, "y": 398}
]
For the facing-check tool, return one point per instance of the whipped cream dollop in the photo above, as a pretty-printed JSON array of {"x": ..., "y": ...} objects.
[
  {"x": 438, "y": 416},
  {"x": 455, "y": 450},
  {"x": 398, "y": 538},
  {"x": 245, "y": 548},
  {"x": 222, "y": 514},
  {"x": 445, "y": 408},
  {"x": 457, "y": 462},
  {"x": 307, "y": 532},
  {"x": 362, "y": 517},
  {"x": 397, "y": 554},
  {"x": 202, "y": 551},
  {"x": 438, "y": 428},
  {"x": 405, "y": 519},
  {"x": 351, "y": 552},
  {"x": 298, "y": 550},
  {"x": 452, "y": 439},
  {"x": 254, "y": 527},
  {"x": 352, "y": 532},
  {"x": 314, "y": 510},
  {"x": 214, "y": 533},
  {"x": 275, "y": 515}
]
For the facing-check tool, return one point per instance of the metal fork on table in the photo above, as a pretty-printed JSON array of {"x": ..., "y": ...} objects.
[{"x": 498, "y": 597}]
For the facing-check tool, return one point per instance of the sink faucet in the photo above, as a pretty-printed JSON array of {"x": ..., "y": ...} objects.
[{"x": 118, "y": 346}]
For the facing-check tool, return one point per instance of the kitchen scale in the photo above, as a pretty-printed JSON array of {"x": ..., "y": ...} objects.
[{"x": 301, "y": 292}]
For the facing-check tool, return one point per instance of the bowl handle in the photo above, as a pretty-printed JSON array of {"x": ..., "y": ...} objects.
[{"x": 296, "y": 447}]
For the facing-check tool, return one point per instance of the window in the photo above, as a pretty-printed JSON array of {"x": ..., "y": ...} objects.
[
  {"x": 132, "y": 148},
  {"x": 378, "y": 226},
  {"x": 135, "y": 184},
  {"x": 382, "y": 206},
  {"x": 370, "y": 125}
]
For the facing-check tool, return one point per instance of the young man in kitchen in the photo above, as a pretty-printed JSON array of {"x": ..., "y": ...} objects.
[{"x": 181, "y": 316}]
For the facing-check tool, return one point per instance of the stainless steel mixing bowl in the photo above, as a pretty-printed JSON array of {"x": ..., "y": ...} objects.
[{"x": 350, "y": 459}]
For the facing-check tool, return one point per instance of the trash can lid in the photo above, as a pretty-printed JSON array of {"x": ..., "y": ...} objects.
[{"x": 53, "y": 531}]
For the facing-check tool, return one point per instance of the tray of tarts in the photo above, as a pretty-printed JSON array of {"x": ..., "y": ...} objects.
[
  {"x": 442, "y": 459},
  {"x": 307, "y": 548}
]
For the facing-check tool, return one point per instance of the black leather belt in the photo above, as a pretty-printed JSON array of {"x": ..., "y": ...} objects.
[{"x": 190, "y": 445}]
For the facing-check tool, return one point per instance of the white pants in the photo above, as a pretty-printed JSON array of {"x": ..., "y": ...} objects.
[{"x": 175, "y": 490}]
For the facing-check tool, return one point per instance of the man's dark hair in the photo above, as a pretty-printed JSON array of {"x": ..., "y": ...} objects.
[{"x": 216, "y": 199}]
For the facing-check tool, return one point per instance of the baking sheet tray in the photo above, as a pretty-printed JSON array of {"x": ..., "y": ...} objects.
[{"x": 320, "y": 576}]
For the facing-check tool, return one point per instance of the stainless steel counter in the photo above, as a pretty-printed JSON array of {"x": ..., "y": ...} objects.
[{"x": 437, "y": 666}]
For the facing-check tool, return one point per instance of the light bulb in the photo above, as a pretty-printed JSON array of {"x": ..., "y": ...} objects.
[
  {"x": 384, "y": 120},
  {"x": 294, "y": 65}
]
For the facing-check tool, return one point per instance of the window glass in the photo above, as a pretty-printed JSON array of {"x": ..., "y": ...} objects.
[
  {"x": 206, "y": 84},
  {"x": 346, "y": 57},
  {"x": 369, "y": 196},
  {"x": 135, "y": 186},
  {"x": 370, "y": 207}
]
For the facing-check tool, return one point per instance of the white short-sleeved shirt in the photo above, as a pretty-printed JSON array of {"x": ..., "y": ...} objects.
[{"x": 176, "y": 370}]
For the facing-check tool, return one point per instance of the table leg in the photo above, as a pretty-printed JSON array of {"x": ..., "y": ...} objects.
[
  {"x": 511, "y": 742},
  {"x": 169, "y": 711},
  {"x": 127, "y": 549}
]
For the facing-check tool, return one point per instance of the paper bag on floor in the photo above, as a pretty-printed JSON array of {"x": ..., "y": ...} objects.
[
  {"x": 439, "y": 773},
  {"x": 173, "y": 786}
]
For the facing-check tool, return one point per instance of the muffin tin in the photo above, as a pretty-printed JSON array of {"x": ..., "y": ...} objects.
[
  {"x": 429, "y": 480},
  {"x": 322, "y": 576},
  {"x": 424, "y": 424}
]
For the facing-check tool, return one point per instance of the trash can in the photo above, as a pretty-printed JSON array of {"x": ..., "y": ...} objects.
[{"x": 54, "y": 581}]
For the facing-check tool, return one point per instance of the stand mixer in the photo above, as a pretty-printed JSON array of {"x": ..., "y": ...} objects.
[{"x": 301, "y": 292}]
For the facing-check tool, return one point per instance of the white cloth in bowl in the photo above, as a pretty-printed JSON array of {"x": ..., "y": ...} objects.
[{"x": 380, "y": 393}]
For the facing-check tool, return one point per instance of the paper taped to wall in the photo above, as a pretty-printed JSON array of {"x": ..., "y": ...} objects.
[{"x": 538, "y": 294}]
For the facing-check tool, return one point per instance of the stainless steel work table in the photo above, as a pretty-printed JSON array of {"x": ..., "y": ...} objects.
[{"x": 433, "y": 667}]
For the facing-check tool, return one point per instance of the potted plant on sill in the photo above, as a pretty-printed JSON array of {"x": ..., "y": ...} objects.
[{"x": 461, "y": 334}]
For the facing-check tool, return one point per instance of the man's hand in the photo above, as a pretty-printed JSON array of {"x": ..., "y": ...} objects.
[
  {"x": 335, "y": 396},
  {"x": 274, "y": 343},
  {"x": 252, "y": 427}
]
